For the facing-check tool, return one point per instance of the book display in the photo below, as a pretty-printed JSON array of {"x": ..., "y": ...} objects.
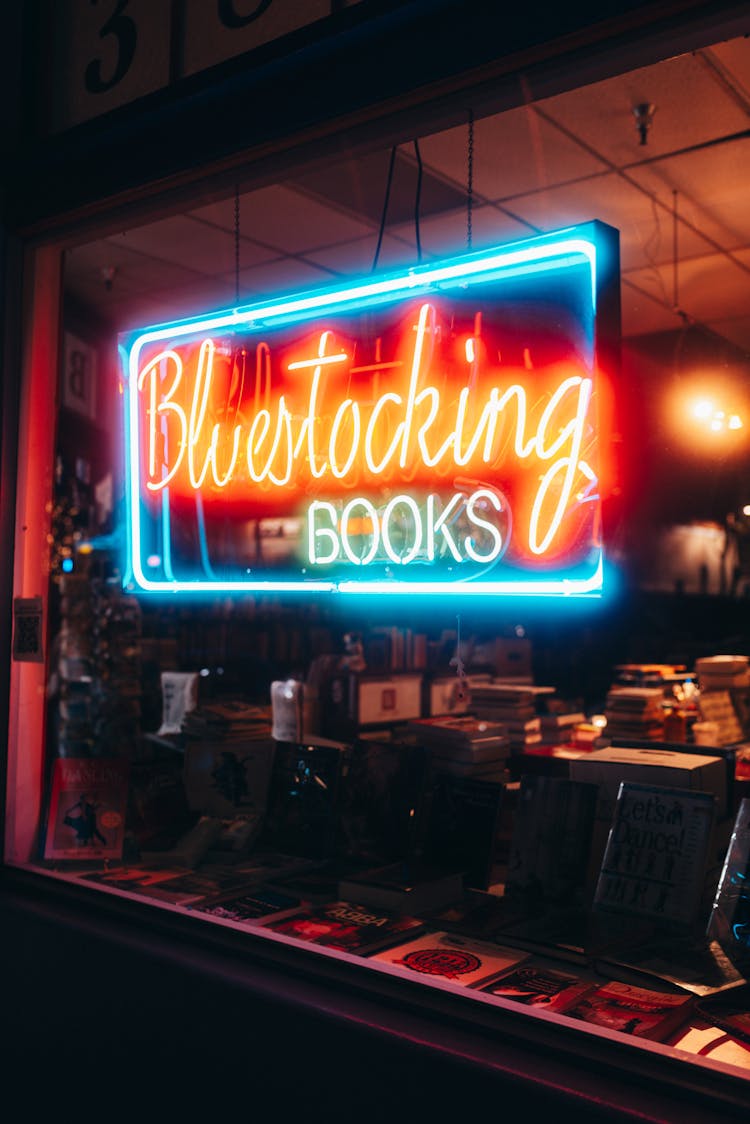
[
  {"x": 644, "y": 1012},
  {"x": 376, "y": 586},
  {"x": 451, "y": 959}
]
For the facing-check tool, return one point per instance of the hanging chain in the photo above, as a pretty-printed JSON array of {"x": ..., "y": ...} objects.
[
  {"x": 237, "y": 245},
  {"x": 470, "y": 180}
]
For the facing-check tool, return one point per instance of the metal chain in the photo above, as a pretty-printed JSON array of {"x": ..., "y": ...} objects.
[
  {"x": 470, "y": 180},
  {"x": 237, "y": 245}
]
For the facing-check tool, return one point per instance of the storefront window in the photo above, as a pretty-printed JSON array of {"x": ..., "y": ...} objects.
[{"x": 229, "y": 745}]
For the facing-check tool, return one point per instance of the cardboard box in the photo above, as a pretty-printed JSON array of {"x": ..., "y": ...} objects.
[
  {"x": 394, "y": 699},
  {"x": 608, "y": 767},
  {"x": 350, "y": 702}
]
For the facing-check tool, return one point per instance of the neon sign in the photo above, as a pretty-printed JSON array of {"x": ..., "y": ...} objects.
[{"x": 431, "y": 431}]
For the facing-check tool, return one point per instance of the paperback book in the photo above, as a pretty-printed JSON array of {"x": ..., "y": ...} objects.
[
  {"x": 383, "y": 790},
  {"x": 88, "y": 806},
  {"x": 227, "y": 779},
  {"x": 303, "y": 799},
  {"x": 729, "y": 920},
  {"x": 640, "y": 1011},
  {"x": 451, "y": 957},
  {"x": 703, "y": 969},
  {"x": 456, "y": 730},
  {"x": 251, "y": 905},
  {"x": 541, "y": 987},
  {"x": 656, "y": 854},
  {"x": 348, "y": 926},
  {"x": 549, "y": 851},
  {"x": 462, "y": 826},
  {"x": 411, "y": 888}
]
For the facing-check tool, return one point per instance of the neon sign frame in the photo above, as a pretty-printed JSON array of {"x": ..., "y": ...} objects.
[{"x": 589, "y": 253}]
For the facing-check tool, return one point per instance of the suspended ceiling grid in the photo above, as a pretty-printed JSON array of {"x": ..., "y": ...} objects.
[{"x": 562, "y": 160}]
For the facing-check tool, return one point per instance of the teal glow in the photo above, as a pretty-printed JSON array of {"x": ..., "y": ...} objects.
[{"x": 558, "y": 252}]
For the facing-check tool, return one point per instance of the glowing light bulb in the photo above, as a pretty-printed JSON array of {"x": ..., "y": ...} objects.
[{"x": 702, "y": 409}]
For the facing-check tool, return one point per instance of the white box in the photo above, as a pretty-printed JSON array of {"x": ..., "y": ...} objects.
[
  {"x": 670, "y": 769},
  {"x": 394, "y": 699},
  {"x": 608, "y": 767}
]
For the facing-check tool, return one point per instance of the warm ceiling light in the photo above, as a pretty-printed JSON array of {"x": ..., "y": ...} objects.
[
  {"x": 717, "y": 424},
  {"x": 746, "y": 509},
  {"x": 703, "y": 408},
  {"x": 735, "y": 422}
]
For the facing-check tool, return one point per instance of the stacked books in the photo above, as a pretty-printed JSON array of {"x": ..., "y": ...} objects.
[
  {"x": 516, "y": 706},
  {"x": 464, "y": 745},
  {"x": 558, "y": 729},
  {"x": 227, "y": 720},
  {"x": 723, "y": 673},
  {"x": 635, "y": 712}
]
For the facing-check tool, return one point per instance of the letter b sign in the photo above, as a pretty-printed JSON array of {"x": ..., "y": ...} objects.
[{"x": 79, "y": 377}]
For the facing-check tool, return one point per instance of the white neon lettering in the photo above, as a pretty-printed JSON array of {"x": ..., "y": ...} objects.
[
  {"x": 399, "y": 536},
  {"x": 166, "y": 406},
  {"x": 484, "y": 494},
  {"x": 569, "y": 465},
  {"x": 439, "y": 524},
  {"x": 314, "y": 533},
  {"x": 302, "y": 435},
  {"x": 377, "y": 467},
  {"x": 411, "y": 503},
  {"x": 338, "y": 421},
  {"x": 372, "y": 519}
]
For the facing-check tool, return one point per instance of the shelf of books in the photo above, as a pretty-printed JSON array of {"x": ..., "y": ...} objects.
[{"x": 495, "y": 862}]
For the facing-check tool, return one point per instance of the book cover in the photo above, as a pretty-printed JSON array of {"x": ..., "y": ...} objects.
[
  {"x": 228, "y": 779},
  {"x": 703, "y": 969},
  {"x": 549, "y": 851},
  {"x": 455, "y": 729},
  {"x": 481, "y": 751},
  {"x": 88, "y": 806},
  {"x": 541, "y": 987},
  {"x": 452, "y": 957},
  {"x": 640, "y": 1011},
  {"x": 729, "y": 919},
  {"x": 411, "y": 887},
  {"x": 251, "y": 905},
  {"x": 348, "y": 926},
  {"x": 462, "y": 826},
  {"x": 382, "y": 800},
  {"x": 303, "y": 800},
  {"x": 730, "y": 1013},
  {"x": 477, "y": 914},
  {"x": 656, "y": 854},
  {"x": 133, "y": 879},
  {"x": 195, "y": 886},
  {"x": 318, "y": 885}
]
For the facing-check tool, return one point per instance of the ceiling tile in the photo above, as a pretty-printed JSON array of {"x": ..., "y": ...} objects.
[
  {"x": 446, "y": 235},
  {"x": 196, "y": 245},
  {"x": 712, "y": 187},
  {"x": 514, "y": 152},
  {"x": 645, "y": 227},
  {"x": 644, "y": 311},
  {"x": 358, "y": 257},
  {"x": 733, "y": 57},
  {"x": 359, "y": 187},
  {"x": 709, "y": 288},
  {"x": 691, "y": 107},
  {"x": 285, "y": 275}
]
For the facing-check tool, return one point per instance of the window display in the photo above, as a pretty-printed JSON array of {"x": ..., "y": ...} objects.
[{"x": 397, "y": 604}]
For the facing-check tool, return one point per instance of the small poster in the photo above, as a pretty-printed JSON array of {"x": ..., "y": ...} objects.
[
  {"x": 79, "y": 377},
  {"x": 655, "y": 861},
  {"x": 87, "y": 808}
]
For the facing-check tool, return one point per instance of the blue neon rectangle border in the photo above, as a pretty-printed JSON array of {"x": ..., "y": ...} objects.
[{"x": 539, "y": 254}]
